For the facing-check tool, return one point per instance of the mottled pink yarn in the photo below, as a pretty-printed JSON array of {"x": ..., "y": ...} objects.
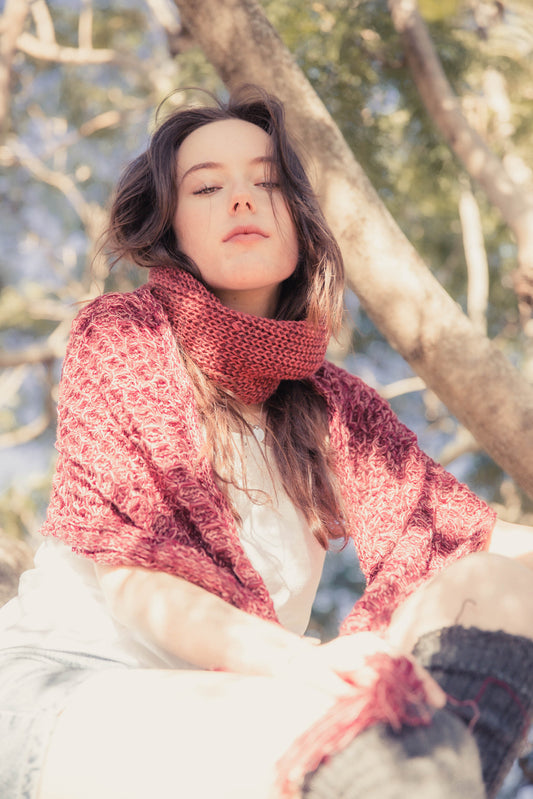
[
  {"x": 257, "y": 354},
  {"x": 131, "y": 487}
]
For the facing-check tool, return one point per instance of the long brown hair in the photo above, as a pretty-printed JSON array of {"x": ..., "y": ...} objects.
[{"x": 141, "y": 230}]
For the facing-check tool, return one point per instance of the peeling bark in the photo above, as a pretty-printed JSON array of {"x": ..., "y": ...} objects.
[{"x": 469, "y": 374}]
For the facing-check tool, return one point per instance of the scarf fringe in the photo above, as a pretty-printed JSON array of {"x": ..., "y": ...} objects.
[{"x": 395, "y": 695}]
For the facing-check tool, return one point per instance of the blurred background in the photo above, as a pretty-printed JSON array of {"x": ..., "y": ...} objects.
[{"x": 79, "y": 84}]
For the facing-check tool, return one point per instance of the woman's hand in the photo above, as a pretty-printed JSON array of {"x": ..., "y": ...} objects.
[
  {"x": 301, "y": 659},
  {"x": 348, "y": 653}
]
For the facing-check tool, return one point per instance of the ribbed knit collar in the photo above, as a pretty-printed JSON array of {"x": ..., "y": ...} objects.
[{"x": 246, "y": 355}]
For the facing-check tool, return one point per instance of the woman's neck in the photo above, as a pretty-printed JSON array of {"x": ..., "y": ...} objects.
[
  {"x": 254, "y": 414},
  {"x": 256, "y": 303}
]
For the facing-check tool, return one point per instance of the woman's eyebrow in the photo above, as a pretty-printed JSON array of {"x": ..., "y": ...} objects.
[
  {"x": 260, "y": 159},
  {"x": 202, "y": 165}
]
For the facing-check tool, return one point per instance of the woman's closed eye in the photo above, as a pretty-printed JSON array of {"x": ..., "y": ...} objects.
[
  {"x": 271, "y": 185},
  {"x": 206, "y": 190}
]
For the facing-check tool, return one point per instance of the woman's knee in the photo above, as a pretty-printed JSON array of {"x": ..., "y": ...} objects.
[{"x": 482, "y": 590}]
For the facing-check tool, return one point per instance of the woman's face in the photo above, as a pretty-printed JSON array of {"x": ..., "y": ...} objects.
[{"x": 231, "y": 218}]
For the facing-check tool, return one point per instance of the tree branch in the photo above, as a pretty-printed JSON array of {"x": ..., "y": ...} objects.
[
  {"x": 59, "y": 180},
  {"x": 463, "y": 444},
  {"x": 43, "y": 21},
  {"x": 13, "y": 19},
  {"x": 514, "y": 201},
  {"x": 476, "y": 260},
  {"x": 38, "y": 353},
  {"x": 166, "y": 14},
  {"x": 15, "y": 557},
  {"x": 51, "y": 51},
  {"x": 103, "y": 121},
  {"x": 92, "y": 216},
  {"x": 26, "y": 432},
  {"x": 85, "y": 26},
  {"x": 408, "y": 385},
  {"x": 397, "y": 290}
]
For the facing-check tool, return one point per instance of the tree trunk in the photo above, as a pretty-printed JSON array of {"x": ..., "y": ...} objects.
[{"x": 419, "y": 319}]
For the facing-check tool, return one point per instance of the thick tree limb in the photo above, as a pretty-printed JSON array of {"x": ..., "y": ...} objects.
[
  {"x": 513, "y": 200},
  {"x": 469, "y": 374}
]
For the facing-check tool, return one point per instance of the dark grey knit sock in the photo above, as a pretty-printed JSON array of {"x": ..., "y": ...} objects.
[
  {"x": 491, "y": 674},
  {"x": 439, "y": 761}
]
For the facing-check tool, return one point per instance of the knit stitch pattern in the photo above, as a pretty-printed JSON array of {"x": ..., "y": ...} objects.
[
  {"x": 257, "y": 354},
  {"x": 132, "y": 488}
]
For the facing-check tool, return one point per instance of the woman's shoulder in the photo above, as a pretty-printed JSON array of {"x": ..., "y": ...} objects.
[
  {"x": 127, "y": 329},
  {"x": 344, "y": 386},
  {"x": 119, "y": 313},
  {"x": 361, "y": 406}
]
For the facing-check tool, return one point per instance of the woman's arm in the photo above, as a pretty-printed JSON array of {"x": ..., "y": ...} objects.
[
  {"x": 512, "y": 540},
  {"x": 204, "y": 630},
  {"x": 409, "y": 517}
]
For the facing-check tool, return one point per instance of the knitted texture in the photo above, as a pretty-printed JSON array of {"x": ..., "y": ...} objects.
[
  {"x": 488, "y": 676},
  {"x": 385, "y": 690},
  {"x": 132, "y": 488},
  {"x": 438, "y": 761},
  {"x": 257, "y": 354}
]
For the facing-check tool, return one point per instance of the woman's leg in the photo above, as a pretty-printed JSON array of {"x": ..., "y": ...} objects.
[
  {"x": 471, "y": 627},
  {"x": 168, "y": 735},
  {"x": 172, "y": 734},
  {"x": 490, "y": 592}
]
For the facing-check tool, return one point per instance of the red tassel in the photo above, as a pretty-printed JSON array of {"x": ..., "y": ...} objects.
[{"x": 394, "y": 694}]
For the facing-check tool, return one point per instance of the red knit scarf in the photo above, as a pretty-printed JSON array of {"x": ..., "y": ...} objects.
[{"x": 246, "y": 355}]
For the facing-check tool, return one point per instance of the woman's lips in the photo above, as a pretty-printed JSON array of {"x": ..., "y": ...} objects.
[{"x": 245, "y": 233}]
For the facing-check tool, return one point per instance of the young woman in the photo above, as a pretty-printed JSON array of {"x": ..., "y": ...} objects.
[{"x": 208, "y": 454}]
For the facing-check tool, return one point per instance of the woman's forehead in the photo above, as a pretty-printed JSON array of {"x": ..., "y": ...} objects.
[{"x": 223, "y": 142}]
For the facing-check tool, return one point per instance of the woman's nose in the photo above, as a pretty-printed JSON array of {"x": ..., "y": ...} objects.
[{"x": 241, "y": 200}]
